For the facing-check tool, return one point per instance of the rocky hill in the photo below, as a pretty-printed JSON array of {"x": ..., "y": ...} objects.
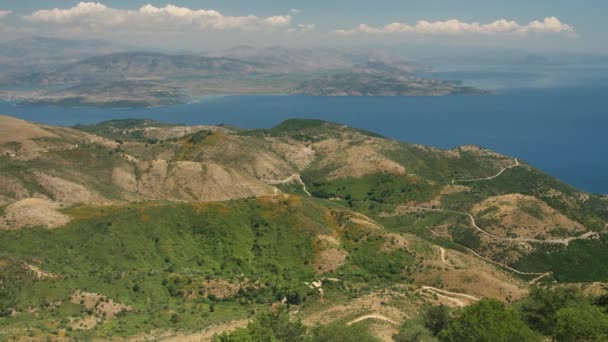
[{"x": 134, "y": 227}]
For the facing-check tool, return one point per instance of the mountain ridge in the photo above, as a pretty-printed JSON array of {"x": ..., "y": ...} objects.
[{"x": 202, "y": 217}]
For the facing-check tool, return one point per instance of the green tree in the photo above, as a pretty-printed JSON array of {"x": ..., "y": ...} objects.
[
  {"x": 343, "y": 333},
  {"x": 414, "y": 331},
  {"x": 436, "y": 318},
  {"x": 488, "y": 321},
  {"x": 581, "y": 323},
  {"x": 540, "y": 308},
  {"x": 269, "y": 326}
]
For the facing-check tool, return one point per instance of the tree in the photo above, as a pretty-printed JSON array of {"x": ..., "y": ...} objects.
[
  {"x": 488, "y": 321},
  {"x": 436, "y": 318},
  {"x": 269, "y": 326},
  {"x": 583, "y": 322},
  {"x": 602, "y": 301},
  {"x": 540, "y": 308},
  {"x": 343, "y": 333},
  {"x": 414, "y": 331}
]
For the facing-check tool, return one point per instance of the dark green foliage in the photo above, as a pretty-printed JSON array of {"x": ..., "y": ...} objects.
[
  {"x": 307, "y": 130},
  {"x": 414, "y": 331},
  {"x": 466, "y": 236},
  {"x": 269, "y": 326},
  {"x": 375, "y": 188},
  {"x": 579, "y": 323},
  {"x": 436, "y": 318},
  {"x": 339, "y": 332},
  {"x": 602, "y": 302},
  {"x": 198, "y": 137},
  {"x": 488, "y": 321},
  {"x": 539, "y": 310},
  {"x": 580, "y": 261},
  {"x": 275, "y": 325}
]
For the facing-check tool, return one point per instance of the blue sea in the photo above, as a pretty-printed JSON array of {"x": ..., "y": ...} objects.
[{"x": 554, "y": 118}]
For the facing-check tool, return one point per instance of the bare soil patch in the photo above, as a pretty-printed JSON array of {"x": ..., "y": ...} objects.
[
  {"x": 99, "y": 304},
  {"x": 33, "y": 212},
  {"x": 328, "y": 261}
]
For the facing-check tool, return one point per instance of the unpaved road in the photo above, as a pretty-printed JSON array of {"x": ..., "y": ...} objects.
[
  {"x": 442, "y": 250},
  {"x": 450, "y": 295},
  {"x": 540, "y": 275},
  {"x": 491, "y": 177},
  {"x": 564, "y": 242},
  {"x": 372, "y": 316},
  {"x": 295, "y": 177}
]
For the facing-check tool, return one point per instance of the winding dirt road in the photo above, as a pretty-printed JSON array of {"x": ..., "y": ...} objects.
[
  {"x": 295, "y": 177},
  {"x": 564, "y": 242},
  {"x": 372, "y": 316},
  {"x": 450, "y": 295},
  {"x": 517, "y": 164}
]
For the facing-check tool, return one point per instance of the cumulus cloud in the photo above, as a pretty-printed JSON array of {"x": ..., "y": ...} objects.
[
  {"x": 95, "y": 15},
  {"x": 456, "y": 27},
  {"x": 295, "y": 10},
  {"x": 4, "y": 14}
]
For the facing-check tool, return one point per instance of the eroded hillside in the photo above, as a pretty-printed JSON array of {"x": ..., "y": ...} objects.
[{"x": 138, "y": 228}]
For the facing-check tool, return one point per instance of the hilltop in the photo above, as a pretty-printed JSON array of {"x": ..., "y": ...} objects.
[{"x": 132, "y": 227}]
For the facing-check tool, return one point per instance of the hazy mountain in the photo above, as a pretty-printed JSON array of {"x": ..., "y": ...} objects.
[
  {"x": 144, "y": 66},
  {"x": 311, "y": 59},
  {"x": 43, "y": 52}
]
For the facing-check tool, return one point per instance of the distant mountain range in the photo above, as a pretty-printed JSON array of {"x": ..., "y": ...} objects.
[
  {"x": 42, "y": 52},
  {"x": 98, "y": 73}
]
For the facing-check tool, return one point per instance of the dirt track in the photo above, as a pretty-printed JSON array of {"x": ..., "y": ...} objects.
[
  {"x": 372, "y": 316},
  {"x": 491, "y": 177},
  {"x": 295, "y": 177}
]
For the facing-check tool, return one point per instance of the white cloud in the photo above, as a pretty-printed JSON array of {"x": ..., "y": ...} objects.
[
  {"x": 4, "y": 14},
  {"x": 295, "y": 10},
  {"x": 456, "y": 27},
  {"x": 302, "y": 28},
  {"x": 169, "y": 17}
]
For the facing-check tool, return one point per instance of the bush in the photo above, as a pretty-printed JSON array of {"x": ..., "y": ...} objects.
[
  {"x": 343, "y": 333},
  {"x": 436, "y": 318},
  {"x": 581, "y": 323},
  {"x": 488, "y": 320},
  {"x": 540, "y": 308},
  {"x": 414, "y": 331},
  {"x": 272, "y": 325}
]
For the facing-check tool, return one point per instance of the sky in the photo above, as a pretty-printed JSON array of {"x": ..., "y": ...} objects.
[{"x": 536, "y": 25}]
